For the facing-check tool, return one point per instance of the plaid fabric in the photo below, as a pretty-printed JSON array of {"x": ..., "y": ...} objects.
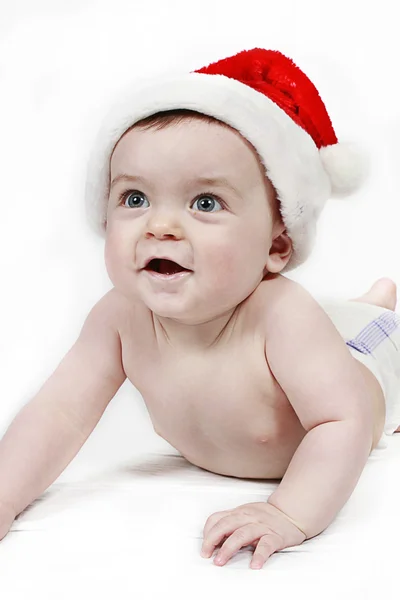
[{"x": 375, "y": 333}]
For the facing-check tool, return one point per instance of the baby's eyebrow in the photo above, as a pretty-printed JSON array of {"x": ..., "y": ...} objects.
[
  {"x": 125, "y": 177},
  {"x": 217, "y": 181}
]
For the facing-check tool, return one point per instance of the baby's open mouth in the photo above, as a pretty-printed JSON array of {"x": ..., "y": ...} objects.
[{"x": 166, "y": 267}]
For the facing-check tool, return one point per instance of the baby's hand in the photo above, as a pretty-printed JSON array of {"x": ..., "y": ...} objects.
[{"x": 257, "y": 524}]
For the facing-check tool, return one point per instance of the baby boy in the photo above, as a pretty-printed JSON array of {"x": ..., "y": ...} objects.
[{"x": 207, "y": 188}]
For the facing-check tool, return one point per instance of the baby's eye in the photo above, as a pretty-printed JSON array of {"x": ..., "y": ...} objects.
[
  {"x": 207, "y": 202},
  {"x": 136, "y": 198}
]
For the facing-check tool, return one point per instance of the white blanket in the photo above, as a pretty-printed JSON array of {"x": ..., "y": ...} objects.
[{"x": 136, "y": 531}]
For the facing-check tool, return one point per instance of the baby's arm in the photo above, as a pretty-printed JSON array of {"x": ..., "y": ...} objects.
[
  {"x": 316, "y": 371},
  {"x": 50, "y": 430}
]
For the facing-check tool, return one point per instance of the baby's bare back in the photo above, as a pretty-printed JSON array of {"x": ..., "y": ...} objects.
[{"x": 221, "y": 408}]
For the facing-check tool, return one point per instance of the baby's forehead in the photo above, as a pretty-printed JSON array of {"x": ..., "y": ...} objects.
[{"x": 209, "y": 144}]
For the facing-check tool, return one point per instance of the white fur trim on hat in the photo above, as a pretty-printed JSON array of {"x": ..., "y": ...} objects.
[{"x": 303, "y": 177}]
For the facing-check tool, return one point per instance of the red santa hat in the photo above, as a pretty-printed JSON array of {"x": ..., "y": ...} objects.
[{"x": 274, "y": 105}]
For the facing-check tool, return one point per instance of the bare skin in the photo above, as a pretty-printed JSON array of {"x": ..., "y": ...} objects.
[
  {"x": 211, "y": 350},
  {"x": 382, "y": 293},
  {"x": 195, "y": 346},
  {"x": 223, "y": 411}
]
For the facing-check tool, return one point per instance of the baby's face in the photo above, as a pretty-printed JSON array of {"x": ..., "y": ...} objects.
[{"x": 221, "y": 231}]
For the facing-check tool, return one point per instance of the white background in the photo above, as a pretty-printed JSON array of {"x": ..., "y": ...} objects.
[{"x": 58, "y": 62}]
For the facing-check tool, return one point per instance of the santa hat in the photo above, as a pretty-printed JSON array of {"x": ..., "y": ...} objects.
[{"x": 272, "y": 103}]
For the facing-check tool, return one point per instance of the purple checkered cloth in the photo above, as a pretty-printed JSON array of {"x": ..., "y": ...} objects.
[{"x": 375, "y": 332}]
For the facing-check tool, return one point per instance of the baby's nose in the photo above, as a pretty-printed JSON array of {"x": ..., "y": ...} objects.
[{"x": 164, "y": 226}]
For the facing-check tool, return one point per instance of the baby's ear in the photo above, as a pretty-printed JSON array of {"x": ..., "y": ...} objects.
[{"x": 280, "y": 252}]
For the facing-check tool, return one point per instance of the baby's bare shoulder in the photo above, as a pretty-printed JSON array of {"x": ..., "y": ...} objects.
[
  {"x": 281, "y": 295},
  {"x": 116, "y": 308},
  {"x": 105, "y": 320},
  {"x": 129, "y": 316}
]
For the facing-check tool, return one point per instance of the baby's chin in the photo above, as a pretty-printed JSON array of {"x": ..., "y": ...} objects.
[
  {"x": 180, "y": 315},
  {"x": 188, "y": 314}
]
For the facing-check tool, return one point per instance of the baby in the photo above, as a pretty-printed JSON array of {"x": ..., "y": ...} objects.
[{"x": 207, "y": 191}]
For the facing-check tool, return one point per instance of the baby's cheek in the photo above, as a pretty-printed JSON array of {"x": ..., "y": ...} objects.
[
  {"x": 109, "y": 255},
  {"x": 221, "y": 259},
  {"x": 113, "y": 259},
  {"x": 226, "y": 267}
]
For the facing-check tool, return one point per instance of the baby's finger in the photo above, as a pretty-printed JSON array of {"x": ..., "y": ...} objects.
[
  {"x": 212, "y": 520},
  {"x": 241, "y": 537},
  {"x": 223, "y": 528},
  {"x": 265, "y": 548}
]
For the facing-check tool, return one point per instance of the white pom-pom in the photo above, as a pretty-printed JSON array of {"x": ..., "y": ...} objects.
[{"x": 347, "y": 167}]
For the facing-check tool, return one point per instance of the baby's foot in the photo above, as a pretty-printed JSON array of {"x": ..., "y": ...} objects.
[{"x": 382, "y": 293}]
